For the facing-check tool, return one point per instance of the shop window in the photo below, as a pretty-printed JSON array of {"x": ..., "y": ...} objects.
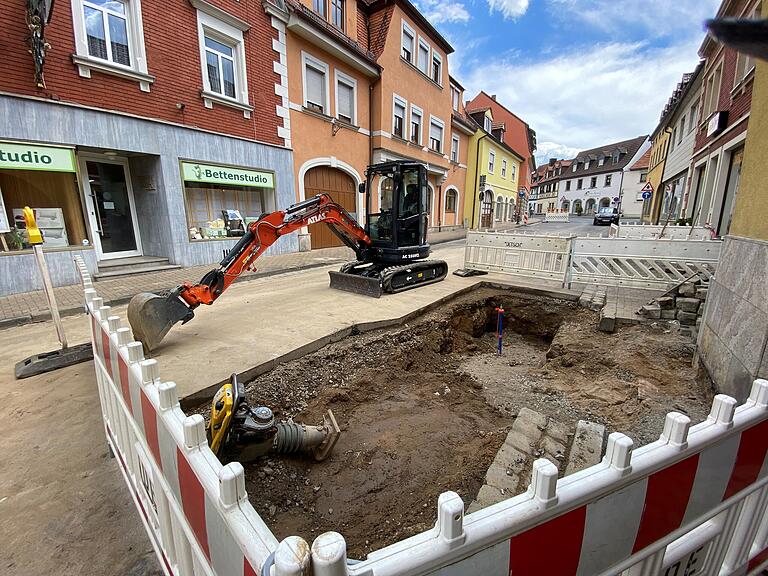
[
  {"x": 315, "y": 77},
  {"x": 346, "y": 92}
]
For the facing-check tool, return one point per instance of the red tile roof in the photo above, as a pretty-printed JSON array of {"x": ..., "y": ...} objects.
[{"x": 643, "y": 162}]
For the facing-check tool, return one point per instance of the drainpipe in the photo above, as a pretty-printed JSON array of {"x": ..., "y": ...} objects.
[{"x": 477, "y": 180}]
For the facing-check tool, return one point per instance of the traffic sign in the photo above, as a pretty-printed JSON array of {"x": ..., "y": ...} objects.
[
  {"x": 522, "y": 192},
  {"x": 615, "y": 198},
  {"x": 647, "y": 188},
  {"x": 646, "y": 195}
]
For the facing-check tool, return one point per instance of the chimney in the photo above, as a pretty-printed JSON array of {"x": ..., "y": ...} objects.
[{"x": 493, "y": 97}]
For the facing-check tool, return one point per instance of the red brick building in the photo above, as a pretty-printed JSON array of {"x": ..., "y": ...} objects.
[{"x": 155, "y": 118}]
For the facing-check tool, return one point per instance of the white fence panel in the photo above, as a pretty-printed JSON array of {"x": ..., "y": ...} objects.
[
  {"x": 557, "y": 217},
  {"x": 515, "y": 254},
  {"x": 653, "y": 231},
  {"x": 642, "y": 263}
]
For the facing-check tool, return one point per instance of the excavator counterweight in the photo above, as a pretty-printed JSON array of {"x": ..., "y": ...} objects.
[{"x": 391, "y": 250}]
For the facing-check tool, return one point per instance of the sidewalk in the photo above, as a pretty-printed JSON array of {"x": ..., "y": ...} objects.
[{"x": 26, "y": 307}]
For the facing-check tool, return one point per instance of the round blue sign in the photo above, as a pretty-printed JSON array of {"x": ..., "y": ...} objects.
[
  {"x": 522, "y": 193},
  {"x": 646, "y": 195}
]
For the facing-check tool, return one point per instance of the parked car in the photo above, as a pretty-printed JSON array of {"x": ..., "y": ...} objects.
[{"x": 606, "y": 216}]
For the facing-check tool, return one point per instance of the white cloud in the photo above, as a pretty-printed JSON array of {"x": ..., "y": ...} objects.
[
  {"x": 547, "y": 150},
  {"x": 511, "y": 9},
  {"x": 585, "y": 98},
  {"x": 439, "y": 11}
]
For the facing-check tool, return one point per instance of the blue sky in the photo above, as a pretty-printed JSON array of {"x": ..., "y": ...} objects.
[{"x": 582, "y": 73}]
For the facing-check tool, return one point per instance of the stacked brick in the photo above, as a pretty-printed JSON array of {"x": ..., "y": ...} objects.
[{"x": 683, "y": 304}]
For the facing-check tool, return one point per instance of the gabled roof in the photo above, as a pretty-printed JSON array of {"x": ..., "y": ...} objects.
[
  {"x": 372, "y": 6},
  {"x": 626, "y": 148},
  {"x": 643, "y": 162}
]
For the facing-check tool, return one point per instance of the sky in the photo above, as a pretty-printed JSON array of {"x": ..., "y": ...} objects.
[{"x": 582, "y": 73}]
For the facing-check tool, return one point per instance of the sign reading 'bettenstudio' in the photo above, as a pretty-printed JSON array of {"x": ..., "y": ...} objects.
[
  {"x": 196, "y": 172},
  {"x": 17, "y": 156}
]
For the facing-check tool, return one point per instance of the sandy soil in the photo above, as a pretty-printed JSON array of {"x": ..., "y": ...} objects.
[{"x": 424, "y": 408}]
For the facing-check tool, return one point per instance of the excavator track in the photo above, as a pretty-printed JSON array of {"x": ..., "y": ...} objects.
[{"x": 400, "y": 278}]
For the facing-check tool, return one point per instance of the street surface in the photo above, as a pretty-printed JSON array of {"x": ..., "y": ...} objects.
[{"x": 579, "y": 225}]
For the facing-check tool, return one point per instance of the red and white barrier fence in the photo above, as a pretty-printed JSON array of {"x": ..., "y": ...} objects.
[{"x": 693, "y": 502}]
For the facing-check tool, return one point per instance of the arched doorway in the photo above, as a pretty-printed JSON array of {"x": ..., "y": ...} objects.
[
  {"x": 451, "y": 211},
  {"x": 339, "y": 186},
  {"x": 566, "y": 205},
  {"x": 589, "y": 206},
  {"x": 499, "y": 208},
  {"x": 577, "y": 207},
  {"x": 605, "y": 202},
  {"x": 486, "y": 209}
]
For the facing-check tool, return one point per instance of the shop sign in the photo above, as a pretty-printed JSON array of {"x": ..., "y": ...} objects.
[
  {"x": 197, "y": 172},
  {"x": 18, "y": 156}
]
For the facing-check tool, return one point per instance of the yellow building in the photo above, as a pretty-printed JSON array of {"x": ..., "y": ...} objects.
[
  {"x": 493, "y": 173},
  {"x": 659, "y": 147}
]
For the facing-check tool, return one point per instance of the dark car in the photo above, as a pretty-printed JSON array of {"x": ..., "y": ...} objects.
[{"x": 606, "y": 216}]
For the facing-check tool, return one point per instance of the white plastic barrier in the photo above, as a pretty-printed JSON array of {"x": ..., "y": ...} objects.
[
  {"x": 693, "y": 502},
  {"x": 557, "y": 217},
  {"x": 519, "y": 254},
  {"x": 653, "y": 231},
  {"x": 642, "y": 263}
]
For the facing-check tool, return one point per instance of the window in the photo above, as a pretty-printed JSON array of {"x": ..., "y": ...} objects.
[
  {"x": 346, "y": 98},
  {"x": 503, "y": 168},
  {"x": 643, "y": 176},
  {"x": 616, "y": 157},
  {"x": 573, "y": 167},
  {"x": 315, "y": 85},
  {"x": 514, "y": 171},
  {"x": 601, "y": 161},
  {"x": 106, "y": 29},
  {"x": 491, "y": 161},
  {"x": 408, "y": 40},
  {"x": 455, "y": 98},
  {"x": 692, "y": 118},
  {"x": 593, "y": 182},
  {"x": 608, "y": 178},
  {"x": 744, "y": 63},
  {"x": 436, "y": 134},
  {"x": 454, "y": 148},
  {"x": 712, "y": 94},
  {"x": 681, "y": 130},
  {"x": 671, "y": 141},
  {"x": 222, "y": 57},
  {"x": 398, "y": 117},
  {"x": 437, "y": 68},
  {"x": 319, "y": 7},
  {"x": 586, "y": 165},
  {"x": 450, "y": 201},
  {"x": 423, "y": 57},
  {"x": 579, "y": 184},
  {"x": 568, "y": 186},
  {"x": 220, "y": 67},
  {"x": 416, "y": 116},
  {"x": 487, "y": 124},
  {"x": 337, "y": 13}
]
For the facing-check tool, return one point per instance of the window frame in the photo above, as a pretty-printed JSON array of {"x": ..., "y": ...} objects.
[
  {"x": 406, "y": 29},
  {"x": 580, "y": 184},
  {"x": 220, "y": 57},
  {"x": 437, "y": 122},
  {"x": 710, "y": 91},
  {"x": 451, "y": 194},
  {"x": 593, "y": 182},
  {"x": 416, "y": 111},
  {"x": 324, "y": 13},
  {"x": 399, "y": 100},
  {"x": 320, "y": 66},
  {"x": 342, "y": 9},
  {"x": 106, "y": 12},
  {"x": 455, "y": 96},
  {"x": 503, "y": 167},
  {"x": 86, "y": 63},
  {"x": 692, "y": 118},
  {"x": 216, "y": 29},
  {"x": 340, "y": 77},
  {"x": 568, "y": 185},
  {"x": 455, "y": 139},
  {"x": 423, "y": 43},
  {"x": 436, "y": 57},
  {"x": 608, "y": 180},
  {"x": 491, "y": 161}
]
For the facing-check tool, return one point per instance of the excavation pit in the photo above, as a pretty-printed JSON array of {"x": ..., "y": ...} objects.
[{"x": 424, "y": 408}]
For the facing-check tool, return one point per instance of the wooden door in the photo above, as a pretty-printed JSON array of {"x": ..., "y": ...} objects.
[{"x": 340, "y": 187}]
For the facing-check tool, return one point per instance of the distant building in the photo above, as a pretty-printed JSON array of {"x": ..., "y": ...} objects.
[
  {"x": 595, "y": 176},
  {"x": 545, "y": 185},
  {"x": 635, "y": 179}
]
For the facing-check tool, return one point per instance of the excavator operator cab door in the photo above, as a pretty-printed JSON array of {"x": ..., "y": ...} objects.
[{"x": 411, "y": 209}]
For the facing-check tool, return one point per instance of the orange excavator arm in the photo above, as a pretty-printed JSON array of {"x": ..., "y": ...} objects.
[
  {"x": 151, "y": 316},
  {"x": 264, "y": 232}
]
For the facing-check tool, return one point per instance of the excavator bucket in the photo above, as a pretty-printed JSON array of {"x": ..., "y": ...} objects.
[
  {"x": 151, "y": 316},
  {"x": 364, "y": 285}
]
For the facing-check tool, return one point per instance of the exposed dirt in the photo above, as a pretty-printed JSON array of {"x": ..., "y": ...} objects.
[{"x": 425, "y": 407}]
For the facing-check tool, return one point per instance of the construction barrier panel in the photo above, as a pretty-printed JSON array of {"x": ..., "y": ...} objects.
[
  {"x": 642, "y": 263},
  {"x": 693, "y": 502},
  {"x": 519, "y": 254},
  {"x": 557, "y": 217},
  {"x": 653, "y": 231}
]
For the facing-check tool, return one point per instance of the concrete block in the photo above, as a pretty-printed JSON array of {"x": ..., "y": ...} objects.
[
  {"x": 686, "y": 331},
  {"x": 607, "y": 323},
  {"x": 688, "y": 304},
  {"x": 587, "y": 446},
  {"x": 701, "y": 293},
  {"x": 666, "y": 302},
  {"x": 698, "y": 323},
  {"x": 557, "y": 431},
  {"x": 537, "y": 418},
  {"x": 552, "y": 447},
  {"x": 489, "y": 495},
  {"x": 668, "y": 314},
  {"x": 527, "y": 430},
  {"x": 510, "y": 458},
  {"x": 687, "y": 289},
  {"x": 686, "y": 318},
  {"x": 651, "y": 311},
  {"x": 499, "y": 478}
]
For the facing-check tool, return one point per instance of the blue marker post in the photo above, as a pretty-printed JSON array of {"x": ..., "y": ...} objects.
[{"x": 499, "y": 326}]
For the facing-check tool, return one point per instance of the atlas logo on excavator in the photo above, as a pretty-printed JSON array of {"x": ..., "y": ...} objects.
[{"x": 315, "y": 219}]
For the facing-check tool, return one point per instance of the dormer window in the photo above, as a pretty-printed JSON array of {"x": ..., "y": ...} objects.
[
  {"x": 573, "y": 166},
  {"x": 616, "y": 156},
  {"x": 487, "y": 124},
  {"x": 601, "y": 161},
  {"x": 586, "y": 165}
]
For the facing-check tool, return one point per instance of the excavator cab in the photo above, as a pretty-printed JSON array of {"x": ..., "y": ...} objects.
[{"x": 398, "y": 231}]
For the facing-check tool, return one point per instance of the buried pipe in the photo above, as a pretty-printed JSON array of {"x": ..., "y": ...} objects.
[{"x": 499, "y": 326}]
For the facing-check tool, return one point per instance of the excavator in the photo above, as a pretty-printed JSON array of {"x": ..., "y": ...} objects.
[{"x": 391, "y": 249}]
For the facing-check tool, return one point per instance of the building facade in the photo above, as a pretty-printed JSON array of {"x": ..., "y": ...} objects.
[
  {"x": 632, "y": 185},
  {"x": 724, "y": 110},
  {"x": 137, "y": 134},
  {"x": 545, "y": 186},
  {"x": 493, "y": 171},
  {"x": 659, "y": 147},
  {"x": 595, "y": 176}
]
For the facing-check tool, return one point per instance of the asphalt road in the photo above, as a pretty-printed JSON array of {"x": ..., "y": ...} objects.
[{"x": 579, "y": 225}]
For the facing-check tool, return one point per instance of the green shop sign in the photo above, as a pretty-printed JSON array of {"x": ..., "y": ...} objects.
[
  {"x": 196, "y": 172},
  {"x": 17, "y": 156}
]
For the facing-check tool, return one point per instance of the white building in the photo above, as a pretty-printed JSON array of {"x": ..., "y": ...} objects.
[
  {"x": 595, "y": 176},
  {"x": 635, "y": 178}
]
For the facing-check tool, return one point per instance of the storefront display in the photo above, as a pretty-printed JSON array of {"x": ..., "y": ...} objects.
[{"x": 222, "y": 200}]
